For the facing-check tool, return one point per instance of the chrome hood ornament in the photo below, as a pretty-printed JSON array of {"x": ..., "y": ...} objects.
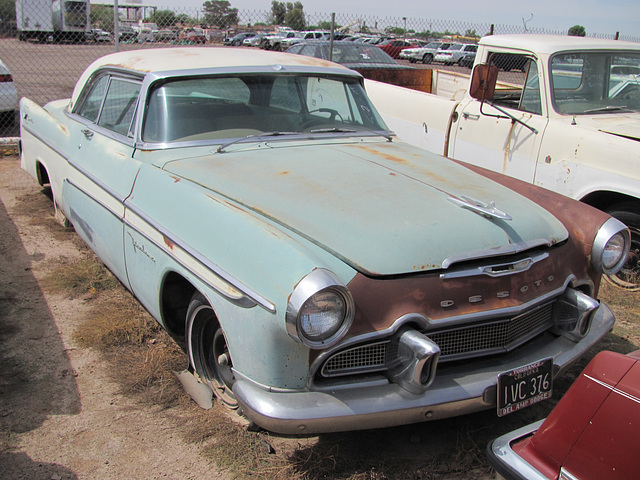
[{"x": 487, "y": 210}]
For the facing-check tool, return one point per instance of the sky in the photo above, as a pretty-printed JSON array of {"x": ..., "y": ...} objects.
[{"x": 597, "y": 16}]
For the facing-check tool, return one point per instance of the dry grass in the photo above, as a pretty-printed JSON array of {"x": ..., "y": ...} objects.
[{"x": 80, "y": 278}]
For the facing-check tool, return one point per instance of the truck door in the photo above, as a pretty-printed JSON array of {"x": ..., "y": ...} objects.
[{"x": 486, "y": 137}]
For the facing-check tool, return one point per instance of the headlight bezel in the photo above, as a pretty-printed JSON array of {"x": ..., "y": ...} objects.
[
  {"x": 610, "y": 230},
  {"x": 319, "y": 281}
]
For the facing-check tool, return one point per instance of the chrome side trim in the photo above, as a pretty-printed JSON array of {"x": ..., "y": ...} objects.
[
  {"x": 507, "y": 462},
  {"x": 249, "y": 297},
  {"x": 45, "y": 142},
  {"x": 495, "y": 252}
]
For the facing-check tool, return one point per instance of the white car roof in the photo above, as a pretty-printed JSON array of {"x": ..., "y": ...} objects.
[
  {"x": 158, "y": 60},
  {"x": 549, "y": 44}
]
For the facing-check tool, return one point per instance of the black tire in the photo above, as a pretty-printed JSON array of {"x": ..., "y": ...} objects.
[
  {"x": 428, "y": 58},
  {"x": 629, "y": 277},
  {"x": 207, "y": 350}
]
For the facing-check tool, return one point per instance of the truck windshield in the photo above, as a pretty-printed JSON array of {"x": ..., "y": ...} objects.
[
  {"x": 218, "y": 107},
  {"x": 598, "y": 82}
]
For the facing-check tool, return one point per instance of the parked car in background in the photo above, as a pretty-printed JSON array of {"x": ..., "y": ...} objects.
[
  {"x": 8, "y": 95},
  {"x": 255, "y": 40},
  {"x": 99, "y": 36},
  {"x": 424, "y": 54},
  {"x": 237, "y": 39},
  {"x": 285, "y": 43},
  {"x": 592, "y": 433},
  {"x": 468, "y": 60},
  {"x": 145, "y": 35},
  {"x": 272, "y": 42},
  {"x": 196, "y": 37},
  {"x": 393, "y": 47},
  {"x": 241, "y": 198},
  {"x": 127, "y": 34},
  {"x": 165, "y": 35},
  {"x": 350, "y": 54},
  {"x": 454, "y": 53}
]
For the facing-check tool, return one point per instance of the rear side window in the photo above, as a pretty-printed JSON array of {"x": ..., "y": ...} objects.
[{"x": 111, "y": 103}]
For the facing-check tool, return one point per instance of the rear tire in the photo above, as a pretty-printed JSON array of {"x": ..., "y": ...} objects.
[
  {"x": 629, "y": 277},
  {"x": 207, "y": 349},
  {"x": 428, "y": 58}
]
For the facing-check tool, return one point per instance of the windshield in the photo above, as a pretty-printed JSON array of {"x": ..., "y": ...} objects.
[
  {"x": 211, "y": 108},
  {"x": 586, "y": 83}
]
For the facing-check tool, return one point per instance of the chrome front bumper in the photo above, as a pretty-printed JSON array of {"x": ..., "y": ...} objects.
[{"x": 456, "y": 390}]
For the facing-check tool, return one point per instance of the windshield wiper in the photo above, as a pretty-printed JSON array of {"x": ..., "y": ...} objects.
[
  {"x": 608, "y": 108},
  {"x": 222, "y": 148},
  {"x": 349, "y": 130}
]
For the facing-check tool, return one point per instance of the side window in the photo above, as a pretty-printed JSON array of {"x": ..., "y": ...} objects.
[
  {"x": 530, "y": 101},
  {"x": 119, "y": 105},
  {"x": 90, "y": 108},
  {"x": 515, "y": 90}
]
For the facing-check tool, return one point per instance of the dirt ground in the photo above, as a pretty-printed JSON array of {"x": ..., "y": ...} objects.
[
  {"x": 61, "y": 413},
  {"x": 65, "y": 414}
]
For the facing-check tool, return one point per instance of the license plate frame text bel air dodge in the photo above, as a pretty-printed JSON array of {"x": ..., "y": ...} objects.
[{"x": 524, "y": 386}]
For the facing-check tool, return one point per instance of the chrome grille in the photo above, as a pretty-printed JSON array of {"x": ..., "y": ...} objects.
[{"x": 455, "y": 343}]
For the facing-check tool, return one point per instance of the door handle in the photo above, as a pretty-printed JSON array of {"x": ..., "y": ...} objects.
[
  {"x": 88, "y": 134},
  {"x": 472, "y": 116}
]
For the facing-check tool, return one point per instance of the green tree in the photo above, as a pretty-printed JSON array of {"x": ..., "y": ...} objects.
[
  {"x": 278, "y": 12},
  {"x": 101, "y": 16},
  {"x": 163, "y": 18},
  {"x": 470, "y": 33},
  {"x": 219, "y": 13},
  {"x": 295, "y": 16},
  {"x": 577, "y": 31}
]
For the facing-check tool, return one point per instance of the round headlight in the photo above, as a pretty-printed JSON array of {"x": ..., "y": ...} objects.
[
  {"x": 321, "y": 315},
  {"x": 614, "y": 251},
  {"x": 610, "y": 247},
  {"x": 320, "y": 310}
]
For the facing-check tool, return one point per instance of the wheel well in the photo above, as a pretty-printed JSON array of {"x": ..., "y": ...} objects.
[
  {"x": 176, "y": 295},
  {"x": 43, "y": 175},
  {"x": 605, "y": 200}
]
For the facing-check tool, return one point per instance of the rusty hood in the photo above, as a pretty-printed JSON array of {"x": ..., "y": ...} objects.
[{"x": 385, "y": 208}]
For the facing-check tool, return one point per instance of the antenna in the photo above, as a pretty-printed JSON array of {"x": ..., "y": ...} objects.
[{"x": 524, "y": 22}]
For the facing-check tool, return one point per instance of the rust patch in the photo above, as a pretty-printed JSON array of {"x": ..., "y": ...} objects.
[
  {"x": 175, "y": 179},
  {"x": 373, "y": 151},
  {"x": 168, "y": 242},
  {"x": 286, "y": 172},
  {"x": 63, "y": 129}
]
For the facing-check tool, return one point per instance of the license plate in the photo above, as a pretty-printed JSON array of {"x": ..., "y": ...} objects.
[{"x": 524, "y": 386}]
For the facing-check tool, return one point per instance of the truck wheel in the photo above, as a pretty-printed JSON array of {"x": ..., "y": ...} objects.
[
  {"x": 629, "y": 277},
  {"x": 208, "y": 351},
  {"x": 428, "y": 58}
]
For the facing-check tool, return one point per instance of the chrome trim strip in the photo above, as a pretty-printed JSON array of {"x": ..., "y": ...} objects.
[
  {"x": 507, "y": 462},
  {"x": 626, "y": 395},
  {"x": 487, "y": 269},
  {"x": 93, "y": 197},
  {"x": 256, "y": 298},
  {"x": 45, "y": 142},
  {"x": 495, "y": 252}
]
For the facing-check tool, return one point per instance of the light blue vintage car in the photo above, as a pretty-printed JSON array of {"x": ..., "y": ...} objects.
[{"x": 321, "y": 274}]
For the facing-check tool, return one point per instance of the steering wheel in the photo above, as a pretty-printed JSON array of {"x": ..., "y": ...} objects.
[{"x": 332, "y": 116}]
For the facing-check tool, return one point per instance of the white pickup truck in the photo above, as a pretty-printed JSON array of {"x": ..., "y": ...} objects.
[{"x": 560, "y": 112}]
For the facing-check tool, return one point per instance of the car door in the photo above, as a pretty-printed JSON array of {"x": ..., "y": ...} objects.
[
  {"x": 487, "y": 137},
  {"x": 103, "y": 169}
]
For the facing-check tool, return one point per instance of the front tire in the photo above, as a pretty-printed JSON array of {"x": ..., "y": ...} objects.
[
  {"x": 428, "y": 58},
  {"x": 629, "y": 277},
  {"x": 208, "y": 351}
]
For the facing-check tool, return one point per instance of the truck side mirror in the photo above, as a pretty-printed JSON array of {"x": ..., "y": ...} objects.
[{"x": 483, "y": 82}]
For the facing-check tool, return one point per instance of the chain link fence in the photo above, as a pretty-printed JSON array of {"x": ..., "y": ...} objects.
[{"x": 46, "y": 45}]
